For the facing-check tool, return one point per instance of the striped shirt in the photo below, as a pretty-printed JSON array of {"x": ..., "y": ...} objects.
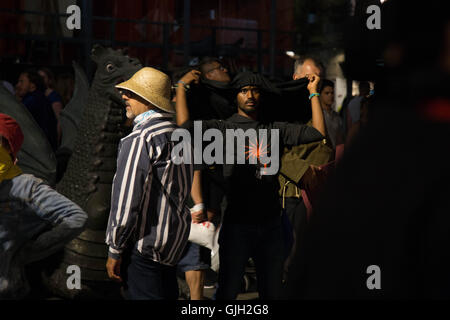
[{"x": 149, "y": 193}]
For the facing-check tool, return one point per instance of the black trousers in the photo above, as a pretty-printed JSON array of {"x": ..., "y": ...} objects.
[{"x": 146, "y": 279}]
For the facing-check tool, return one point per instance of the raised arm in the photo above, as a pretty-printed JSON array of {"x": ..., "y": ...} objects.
[
  {"x": 182, "y": 112},
  {"x": 317, "y": 114}
]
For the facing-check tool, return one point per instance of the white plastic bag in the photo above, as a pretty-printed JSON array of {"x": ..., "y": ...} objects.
[
  {"x": 203, "y": 234},
  {"x": 215, "y": 251}
]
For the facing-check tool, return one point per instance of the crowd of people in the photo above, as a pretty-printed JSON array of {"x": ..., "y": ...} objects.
[
  {"x": 264, "y": 218},
  {"x": 246, "y": 203},
  {"x": 315, "y": 228},
  {"x": 44, "y": 96},
  {"x": 153, "y": 210}
]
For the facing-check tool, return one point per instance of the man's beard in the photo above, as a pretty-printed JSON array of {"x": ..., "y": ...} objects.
[
  {"x": 248, "y": 110},
  {"x": 130, "y": 114}
]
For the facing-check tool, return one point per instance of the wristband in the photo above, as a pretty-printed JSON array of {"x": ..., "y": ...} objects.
[
  {"x": 313, "y": 95},
  {"x": 198, "y": 207},
  {"x": 186, "y": 86},
  {"x": 175, "y": 86}
]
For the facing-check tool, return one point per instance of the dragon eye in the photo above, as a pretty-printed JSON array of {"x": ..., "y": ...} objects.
[{"x": 110, "y": 67}]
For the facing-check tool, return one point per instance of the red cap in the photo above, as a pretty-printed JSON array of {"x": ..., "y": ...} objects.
[{"x": 10, "y": 129}]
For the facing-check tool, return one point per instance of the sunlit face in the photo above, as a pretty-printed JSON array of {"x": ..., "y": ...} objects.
[
  {"x": 327, "y": 96},
  {"x": 308, "y": 67},
  {"x": 24, "y": 85},
  {"x": 248, "y": 99},
  {"x": 215, "y": 71},
  {"x": 135, "y": 104}
]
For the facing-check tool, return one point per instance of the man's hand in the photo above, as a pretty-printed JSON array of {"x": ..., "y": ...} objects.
[
  {"x": 191, "y": 76},
  {"x": 313, "y": 82},
  {"x": 198, "y": 216},
  {"x": 113, "y": 269}
]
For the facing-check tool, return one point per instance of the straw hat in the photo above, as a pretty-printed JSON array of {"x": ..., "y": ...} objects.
[{"x": 151, "y": 85}]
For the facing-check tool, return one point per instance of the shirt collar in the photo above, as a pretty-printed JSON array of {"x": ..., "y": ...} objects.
[{"x": 141, "y": 119}]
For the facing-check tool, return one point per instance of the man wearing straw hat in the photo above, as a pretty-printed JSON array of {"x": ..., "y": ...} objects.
[{"x": 149, "y": 221}]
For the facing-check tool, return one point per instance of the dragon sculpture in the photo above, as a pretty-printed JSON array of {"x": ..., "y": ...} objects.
[{"x": 92, "y": 126}]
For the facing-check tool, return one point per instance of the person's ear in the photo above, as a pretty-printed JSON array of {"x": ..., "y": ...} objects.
[
  {"x": 207, "y": 76},
  {"x": 32, "y": 86}
]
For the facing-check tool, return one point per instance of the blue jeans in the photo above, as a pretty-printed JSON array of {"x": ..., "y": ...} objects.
[
  {"x": 146, "y": 279},
  {"x": 195, "y": 257},
  {"x": 263, "y": 242}
]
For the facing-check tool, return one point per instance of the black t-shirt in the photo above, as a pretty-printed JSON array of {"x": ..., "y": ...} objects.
[{"x": 252, "y": 197}]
